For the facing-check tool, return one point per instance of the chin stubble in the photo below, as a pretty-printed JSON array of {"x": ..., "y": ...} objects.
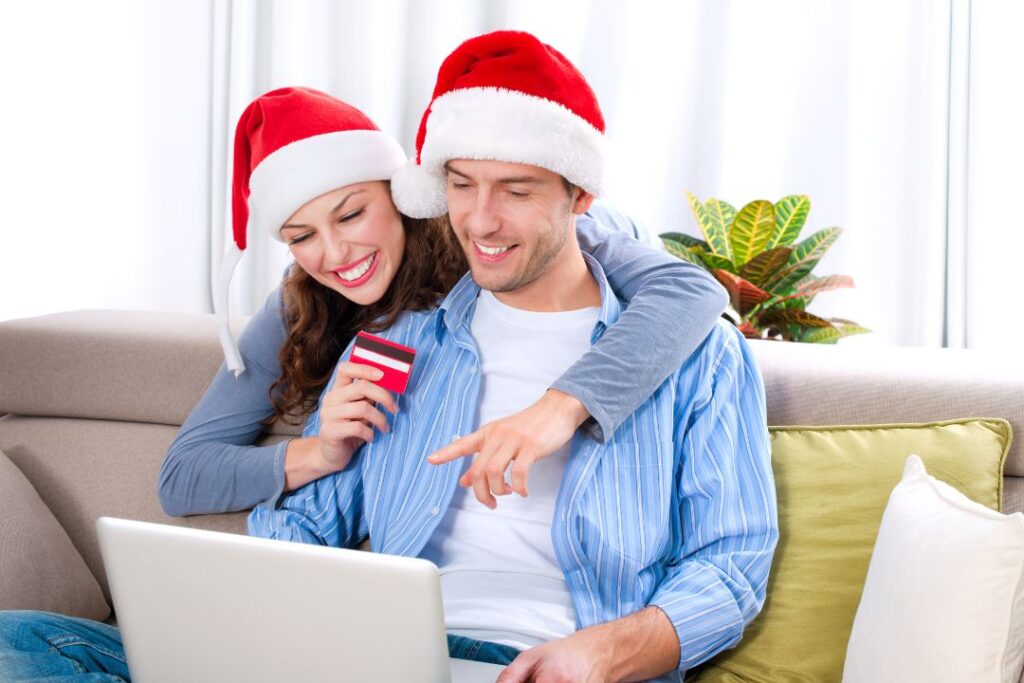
[{"x": 548, "y": 248}]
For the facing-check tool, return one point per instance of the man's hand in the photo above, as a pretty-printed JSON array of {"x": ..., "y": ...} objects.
[
  {"x": 583, "y": 657},
  {"x": 637, "y": 647},
  {"x": 525, "y": 437}
]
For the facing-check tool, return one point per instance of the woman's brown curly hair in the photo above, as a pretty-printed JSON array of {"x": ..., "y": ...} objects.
[{"x": 321, "y": 322}]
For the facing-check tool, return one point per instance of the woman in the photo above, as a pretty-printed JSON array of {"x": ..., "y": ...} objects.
[{"x": 314, "y": 172}]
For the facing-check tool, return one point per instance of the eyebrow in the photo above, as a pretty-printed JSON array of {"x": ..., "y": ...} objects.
[
  {"x": 336, "y": 209},
  {"x": 503, "y": 181}
]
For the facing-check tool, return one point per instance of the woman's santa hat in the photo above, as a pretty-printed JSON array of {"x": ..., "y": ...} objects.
[
  {"x": 504, "y": 96},
  {"x": 291, "y": 146}
]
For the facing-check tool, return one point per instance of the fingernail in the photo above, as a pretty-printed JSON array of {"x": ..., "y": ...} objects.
[{"x": 377, "y": 374}]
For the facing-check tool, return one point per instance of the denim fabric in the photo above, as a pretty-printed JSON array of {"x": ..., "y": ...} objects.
[
  {"x": 39, "y": 647},
  {"x": 53, "y": 648},
  {"x": 460, "y": 647}
]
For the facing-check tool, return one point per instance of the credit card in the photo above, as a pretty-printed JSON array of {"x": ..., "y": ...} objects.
[{"x": 394, "y": 360}]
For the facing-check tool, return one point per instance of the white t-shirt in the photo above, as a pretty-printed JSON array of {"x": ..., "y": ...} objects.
[{"x": 500, "y": 578}]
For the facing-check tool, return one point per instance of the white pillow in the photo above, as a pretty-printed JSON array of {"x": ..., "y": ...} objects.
[{"x": 944, "y": 594}]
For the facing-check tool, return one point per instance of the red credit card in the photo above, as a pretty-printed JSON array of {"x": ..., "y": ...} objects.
[{"x": 394, "y": 360}]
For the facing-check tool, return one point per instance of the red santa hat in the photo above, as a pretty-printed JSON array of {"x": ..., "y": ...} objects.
[
  {"x": 504, "y": 96},
  {"x": 291, "y": 146}
]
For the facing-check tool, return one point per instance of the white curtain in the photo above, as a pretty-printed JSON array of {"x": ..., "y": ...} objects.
[
  {"x": 896, "y": 117},
  {"x": 990, "y": 254},
  {"x": 104, "y": 156}
]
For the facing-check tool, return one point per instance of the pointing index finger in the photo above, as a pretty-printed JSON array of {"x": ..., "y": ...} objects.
[{"x": 467, "y": 445}]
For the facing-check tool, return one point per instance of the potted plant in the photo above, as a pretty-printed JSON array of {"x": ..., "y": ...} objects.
[{"x": 754, "y": 254}]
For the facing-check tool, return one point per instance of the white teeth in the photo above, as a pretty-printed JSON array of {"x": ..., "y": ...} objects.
[
  {"x": 359, "y": 271},
  {"x": 491, "y": 251}
]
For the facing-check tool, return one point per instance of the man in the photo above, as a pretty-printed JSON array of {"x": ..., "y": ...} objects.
[{"x": 636, "y": 558}]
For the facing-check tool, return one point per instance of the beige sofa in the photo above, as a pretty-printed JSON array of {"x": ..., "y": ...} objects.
[{"x": 91, "y": 400}]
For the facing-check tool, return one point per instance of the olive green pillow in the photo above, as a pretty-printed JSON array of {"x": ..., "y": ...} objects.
[{"x": 833, "y": 484}]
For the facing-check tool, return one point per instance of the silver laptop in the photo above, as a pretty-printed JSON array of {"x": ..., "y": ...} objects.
[{"x": 202, "y": 606}]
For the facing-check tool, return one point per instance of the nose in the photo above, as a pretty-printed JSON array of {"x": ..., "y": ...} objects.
[
  {"x": 337, "y": 250},
  {"x": 482, "y": 218}
]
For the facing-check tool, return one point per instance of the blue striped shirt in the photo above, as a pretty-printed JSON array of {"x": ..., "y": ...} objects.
[{"x": 676, "y": 510}]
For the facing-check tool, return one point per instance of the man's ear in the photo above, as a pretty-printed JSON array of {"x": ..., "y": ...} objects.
[{"x": 582, "y": 202}]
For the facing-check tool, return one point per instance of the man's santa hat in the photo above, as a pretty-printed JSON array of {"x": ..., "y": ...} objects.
[
  {"x": 291, "y": 146},
  {"x": 504, "y": 96}
]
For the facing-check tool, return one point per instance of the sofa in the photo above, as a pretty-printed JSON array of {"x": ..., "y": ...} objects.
[{"x": 90, "y": 401}]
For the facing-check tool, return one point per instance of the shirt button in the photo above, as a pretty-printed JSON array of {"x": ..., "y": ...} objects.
[
  {"x": 457, "y": 436},
  {"x": 472, "y": 371},
  {"x": 435, "y": 510}
]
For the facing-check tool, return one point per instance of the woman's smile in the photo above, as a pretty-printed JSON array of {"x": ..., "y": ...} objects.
[{"x": 357, "y": 273}]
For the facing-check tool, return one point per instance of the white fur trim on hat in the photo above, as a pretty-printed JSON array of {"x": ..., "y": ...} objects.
[
  {"x": 297, "y": 173},
  {"x": 502, "y": 125},
  {"x": 232, "y": 356}
]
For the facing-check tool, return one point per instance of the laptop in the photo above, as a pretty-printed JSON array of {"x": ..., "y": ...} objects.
[{"x": 201, "y": 606}]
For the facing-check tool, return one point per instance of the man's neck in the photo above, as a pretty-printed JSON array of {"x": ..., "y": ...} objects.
[{"x": 567, "y": 285}]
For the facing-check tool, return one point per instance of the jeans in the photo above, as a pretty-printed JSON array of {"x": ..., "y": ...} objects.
[
  {"x": 460, "y": 647},
  {"x": 51, "y": 648}
]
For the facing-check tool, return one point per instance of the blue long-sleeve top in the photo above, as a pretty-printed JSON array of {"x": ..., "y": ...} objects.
[
  {"x": 213, "y": 466},
  {"x": 677, "y": 509}
]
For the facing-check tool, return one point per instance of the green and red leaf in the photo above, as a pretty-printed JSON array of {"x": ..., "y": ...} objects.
[
  {"x": 762, "y": 267},
  {"x": 803, "y": 259},
  {"x": 722, "y": 214},
  {"x": 820, "y": 335},
  {"x": 712, "y": 227},
  {"x": 849, "y": 328},
  {"x": 712, "y": 261},
  {"x": 685, "y": 239},
  {"x": 751, "y": 230},
  {"x": 812, "y": 286},
  {"x": 743, "y": 295},
  {"x": 791, "y": 316},
  {"x": 679, "y": 250},
  {"x": 790, "y": 216}
]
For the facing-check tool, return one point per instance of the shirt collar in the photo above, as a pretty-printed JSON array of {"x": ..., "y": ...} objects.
[{"x": 457, "y": 308}]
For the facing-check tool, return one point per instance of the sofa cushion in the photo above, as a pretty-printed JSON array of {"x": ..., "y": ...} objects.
[
  {"x": 87, "y": 469},
  {"x": 833, "y": 484},
  {"x": 944, "y": 594},
  {"x": 39, "y": 567}
]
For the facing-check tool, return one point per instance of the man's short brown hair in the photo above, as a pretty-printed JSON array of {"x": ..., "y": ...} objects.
[{"x": 569, "y": 187}]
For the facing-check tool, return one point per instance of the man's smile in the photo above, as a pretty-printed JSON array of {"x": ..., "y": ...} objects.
[{"x": 492, "y": 254}]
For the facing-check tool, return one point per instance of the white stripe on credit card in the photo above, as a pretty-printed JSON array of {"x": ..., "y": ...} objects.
[{"x": 360, "y": 352}]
